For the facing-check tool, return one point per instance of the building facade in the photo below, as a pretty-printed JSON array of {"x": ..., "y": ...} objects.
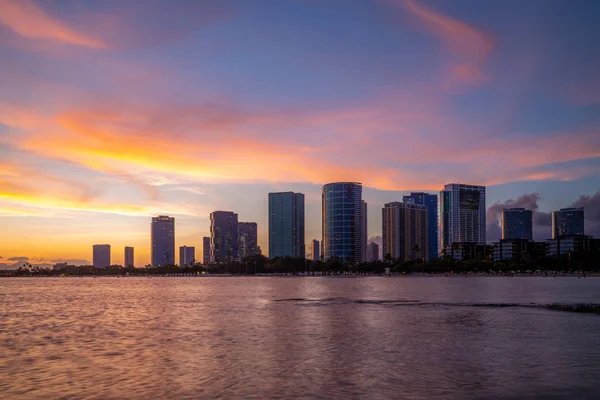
[
  {"x": 286, "y": 225},
  {"x": 365, "y": 231},
  {"x": 342, "y": 222},
  {"x": 101, "y": 255},
  {"x": 247, "y": 237},
  {"x": 372, "y": 252},
  {"x": 206, "y": 250},
  {"x": 517, "y": 223},
  {"x": 128, "y": 261},
  {"x": 223, "y": 236},
  {"x": 565, "y": 245},
  {"x": 567, "y": 222},
  {"x": 431, "y": 202},
  {"x": 462, "y": 214},
  {"x": 315, "y": 250},
  {"x": 518, "y": 249},
  {"x": 162, "y": 240},
  {"x": 187, "y": 255},
  {"x": 405, "y": 231}
]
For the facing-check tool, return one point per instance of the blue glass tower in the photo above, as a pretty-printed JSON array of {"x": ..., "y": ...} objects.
[
  {"x": 567, "y": 222},
  {"x": 343, "y": 231},
  {"x": 431, "y": 202},
  {"x": 517, "y": 223},
  {"x": 286, "y": 225}
]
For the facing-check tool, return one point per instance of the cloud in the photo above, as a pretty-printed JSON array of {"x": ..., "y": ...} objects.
[
  {"x": 30, "y": 21},
  {"x": 591, "y": 208},
  {"x": 541, "y": 220},
  {"x": 470, "y": 47},
  {"x": 375, "y": 239},
  {"x": 18, "y": 259}
]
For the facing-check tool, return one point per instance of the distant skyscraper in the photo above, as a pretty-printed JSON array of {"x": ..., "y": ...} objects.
[
  {"x": 372, "y": 252},
  {"x": 343, "y": 231},
  {"x": 431, "y": 202},
  {"x": 517, "y": 223},
  {"x": 247, "y": 237},
  {"x": 163, "y": 240},
  {"x": 315, "y": 251},
  {"x": 187, "y": 255},
  {"x": 206, "y": 250},
  {"x": 462, "y": 214},
  {"x": 365, "y": 231},
  {"x": 101, "y": 255},
  {"x": 567, "y": 222},
  {"x": 286, "y": 225},
  {"x": 223, "y": 236},
  {"x": 405, "y": 231},
  {"x": 128, "y": 259}
]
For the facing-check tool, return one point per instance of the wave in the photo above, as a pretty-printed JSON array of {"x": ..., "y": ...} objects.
[{"x": 593, "y": 308}]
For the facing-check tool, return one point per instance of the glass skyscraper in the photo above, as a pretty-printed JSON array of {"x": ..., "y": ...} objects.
[
  {"x": 343, "y": 230},
  {"x": 163, "y": 240},
  {"x": 431, "y": 202},
  {"x": 286, "y": 225},
  {"x": 517, "y": 223},
  {"x": 187, "y": 255},
  {"x": 128, "y": 259},
  {"x": 567, "y": 222},
  {"x": 462, "y": 214},
  {"x": 223, "y": 236},
  {"x": 247, "y": 237},
  {"x": 101, "y": 255}
]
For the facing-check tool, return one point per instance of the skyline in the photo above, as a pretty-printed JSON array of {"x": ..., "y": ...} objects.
[{"x": 107, "y": 118}]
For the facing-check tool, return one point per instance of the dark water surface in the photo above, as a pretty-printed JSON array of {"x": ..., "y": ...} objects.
[{"x": 328, "y": 338}]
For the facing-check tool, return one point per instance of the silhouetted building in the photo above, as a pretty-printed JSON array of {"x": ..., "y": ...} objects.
[
  {"x": 517, "y": 223},
  {"x": 365, "y": 231},
  {"x": 223, "y": 236},
  {"x": 247, "y": 237},
  {"x": 187, "y": 255},
  {"x": 206, "y": 250},
  {"x": 405, "y": 231},
  {"x": 286, "y": 225},
  {"x": 372, "y": 252},
  {"x": 431, "y": 202},
  {"x": 343, "y": 231},
  {"x": 101, "y": 255},
  {"x": 519, "y": 250},
  {"x": 564, "y": 245},
  {"x": 567, "y": 222},
  {"x": 315, "y": 250},
  {"x": 128, "y": 261},
  {"x": 469, "y": 251},
  {"x": 462, "y": 214},
  {"x": 163, "y": 240}
]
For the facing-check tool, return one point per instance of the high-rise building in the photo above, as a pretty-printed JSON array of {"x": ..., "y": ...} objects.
[
  {"x": 163, "y": 240},
  {"x": 128, "y": 259},
  {"x": 342, "y": 222},
  {"x": 247, "y": 238},
  {"x": 206, "y": 250},
  {"x": 365, "y": 231},
  {"x": 462, "y": 214},
  {"x": 187, "y": 255},
  {"x": 101, "y": 255},
  {"x": 405, "y": 231},
  {"x": 517, "y": 223},
  {"x": 372, "y": 252},
  {"x": 567, "y": 222},
  {"x": 315, "y": 250},
  {"x": 431, "y": 202},
  {"x": 223, "y": 236},
  {"x": 286, "y": 225}
]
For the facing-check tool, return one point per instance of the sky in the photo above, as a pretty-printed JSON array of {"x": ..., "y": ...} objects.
[{"x": 115, "y": 111}]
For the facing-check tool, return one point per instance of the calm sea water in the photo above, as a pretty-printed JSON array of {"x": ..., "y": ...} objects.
[{"x": 328, "y": 338}]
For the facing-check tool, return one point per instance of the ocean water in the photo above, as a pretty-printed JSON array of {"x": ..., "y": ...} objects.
[{"x": 310, "y": 338}]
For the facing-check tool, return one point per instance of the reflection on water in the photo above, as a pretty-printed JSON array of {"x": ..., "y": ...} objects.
[{"x": 298, "y": 338}]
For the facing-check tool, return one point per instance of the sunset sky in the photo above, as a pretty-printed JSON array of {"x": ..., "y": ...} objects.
[{"x": 115, "y": 111}]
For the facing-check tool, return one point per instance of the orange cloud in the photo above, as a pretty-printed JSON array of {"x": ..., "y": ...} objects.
[
  {"x": 470, "y": 46},
  {"x": 30, "y": 21}
]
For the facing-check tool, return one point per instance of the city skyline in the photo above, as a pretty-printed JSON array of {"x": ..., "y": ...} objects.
[{"x": 107, "y": 119}]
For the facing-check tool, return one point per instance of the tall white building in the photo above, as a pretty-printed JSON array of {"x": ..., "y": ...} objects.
[
  {"x": 128, "y": 259},
  {"x": 462, "y": 214},
  {"x": 101, "y": 255}
]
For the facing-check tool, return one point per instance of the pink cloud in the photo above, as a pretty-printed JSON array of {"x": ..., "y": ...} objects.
[{"x": 30, "y": 21}]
